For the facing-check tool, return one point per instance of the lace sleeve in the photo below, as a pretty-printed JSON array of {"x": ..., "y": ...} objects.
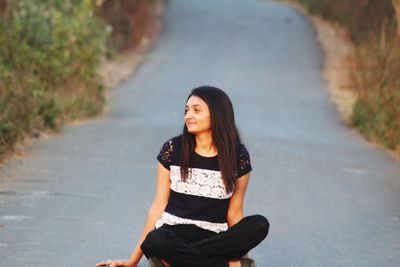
[
  {"x": 244, "y": 161},
  {"x": 164, "y": 157}
]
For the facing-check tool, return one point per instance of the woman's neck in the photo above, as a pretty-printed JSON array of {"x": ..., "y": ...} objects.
[{"x": 205, "y": 145}]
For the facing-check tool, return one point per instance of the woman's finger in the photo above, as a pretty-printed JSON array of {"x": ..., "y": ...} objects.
[
  {"x": 118, "y": 263},
  {"x": 112, "y": 263},
  {"x": 103, "y": 263}
]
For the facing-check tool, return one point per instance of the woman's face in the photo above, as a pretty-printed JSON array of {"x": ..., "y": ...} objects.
[{"x": 197, "y": 116}]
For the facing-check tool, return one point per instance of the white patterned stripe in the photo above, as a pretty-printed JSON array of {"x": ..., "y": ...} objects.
[
  {"x": 201, "y": 182},
  {"x": 170, "y": 219}
]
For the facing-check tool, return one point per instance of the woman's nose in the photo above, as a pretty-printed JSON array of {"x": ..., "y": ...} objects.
[{"x": 188, "y": 115}]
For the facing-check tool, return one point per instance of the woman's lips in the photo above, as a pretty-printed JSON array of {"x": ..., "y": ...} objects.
[{"x": 190, "y": 123}]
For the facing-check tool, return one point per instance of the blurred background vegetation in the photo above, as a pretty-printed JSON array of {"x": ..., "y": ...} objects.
[
  {"x": 50, "y": 51},
  {"x": 49, "y": 54},
  {"x": 375, "y": 68}
]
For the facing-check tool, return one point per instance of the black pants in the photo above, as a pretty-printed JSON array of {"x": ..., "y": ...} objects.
[{"x": 191, "y": 246}]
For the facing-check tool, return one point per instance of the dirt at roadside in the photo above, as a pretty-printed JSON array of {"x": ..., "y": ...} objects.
[{"x": 338, "y": 48}]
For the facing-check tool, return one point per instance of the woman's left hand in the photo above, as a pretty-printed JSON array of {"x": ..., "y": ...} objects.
[{"x": 116, "y": 263}]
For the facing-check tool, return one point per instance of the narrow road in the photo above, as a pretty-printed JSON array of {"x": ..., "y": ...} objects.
[{"x": 332, "y": 199}]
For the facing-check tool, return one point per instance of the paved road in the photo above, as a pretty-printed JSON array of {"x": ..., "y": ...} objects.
[{"x": 332, "y": 200}]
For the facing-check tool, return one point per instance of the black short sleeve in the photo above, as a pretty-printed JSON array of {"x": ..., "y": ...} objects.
[
  {"x": 165, "y": 155},
  {"x": 244, "y": 161}
]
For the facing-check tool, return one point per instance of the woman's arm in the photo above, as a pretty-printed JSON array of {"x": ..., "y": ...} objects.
[
  {"x": 156, "y": 209},
  {"x": 235, "y": 209}
]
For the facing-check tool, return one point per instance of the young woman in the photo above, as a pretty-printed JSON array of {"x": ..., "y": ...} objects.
[{"x": 197, "y": 219}]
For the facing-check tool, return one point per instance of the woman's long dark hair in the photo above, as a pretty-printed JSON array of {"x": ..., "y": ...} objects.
[{"x": 225, "y": 135}]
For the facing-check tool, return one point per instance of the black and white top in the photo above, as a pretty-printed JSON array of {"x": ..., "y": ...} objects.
[{"x": 201, "y": 200}]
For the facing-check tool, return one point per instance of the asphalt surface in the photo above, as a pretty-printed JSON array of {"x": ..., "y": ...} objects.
[{"x": 332, "y": 199}]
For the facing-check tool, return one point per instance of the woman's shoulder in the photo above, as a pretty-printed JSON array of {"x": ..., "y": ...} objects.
[
  {"x": 177, "y": 139},
  {"x": 242, "y": 150},
  {"x": 243, "y": 157},
  {"x": 169, "y": 151},
  {"x": 174, "y": 142}
]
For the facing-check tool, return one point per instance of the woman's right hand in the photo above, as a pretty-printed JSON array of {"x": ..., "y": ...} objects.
[{"x": 116, "y": 263}]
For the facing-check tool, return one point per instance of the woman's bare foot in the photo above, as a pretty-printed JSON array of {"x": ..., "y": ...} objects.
[
  {"x": 243, "y": 262},
  {"x": 234, "y": 264}
]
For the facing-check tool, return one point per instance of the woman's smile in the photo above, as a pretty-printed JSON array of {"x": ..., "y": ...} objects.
[{"x": 190, "y": 123}]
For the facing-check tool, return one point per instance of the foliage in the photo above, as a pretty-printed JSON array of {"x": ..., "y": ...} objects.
[
  {"x": 376, "y": 79},
  {"x": 49, "y": 51},
  {"x": 129, "y": 19},
  {"x": 363, "y": 18}
]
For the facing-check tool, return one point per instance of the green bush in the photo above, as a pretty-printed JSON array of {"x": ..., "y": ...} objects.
[
  {"x": 54, "y": 39},
  {"x": 49, "y": 53},
  {"x": 376, "y": 121},
  {"x": 376, "y": 79}
]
